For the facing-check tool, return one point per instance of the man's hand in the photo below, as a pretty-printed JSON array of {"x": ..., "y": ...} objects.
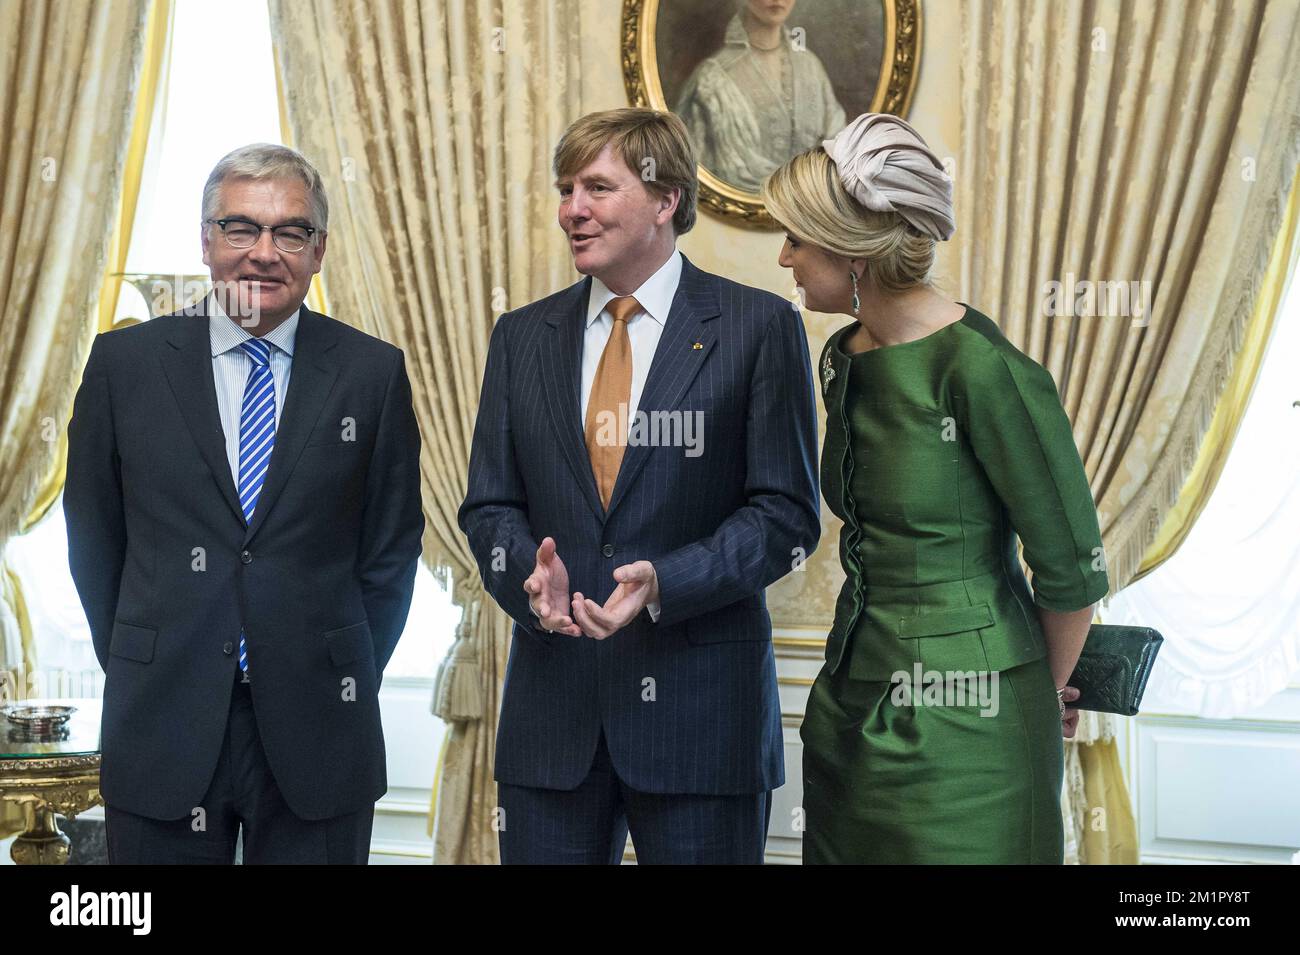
[
  {"x": 548, "y": 591},
  {"x": 1070, "y": 721},
  {"x": 638, "y": 584}
]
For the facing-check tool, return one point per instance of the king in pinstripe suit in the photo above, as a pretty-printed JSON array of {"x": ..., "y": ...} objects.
[{"x": 641, "y": 690}]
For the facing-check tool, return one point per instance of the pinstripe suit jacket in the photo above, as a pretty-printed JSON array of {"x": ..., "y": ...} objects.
[{"x": 687, "y": 704}]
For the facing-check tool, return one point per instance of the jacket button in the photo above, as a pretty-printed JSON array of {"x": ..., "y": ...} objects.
[
  {"x": 608, "y": 550},
  {"x": 246, "y": 557},
  {"x": 228, "y": 648}
]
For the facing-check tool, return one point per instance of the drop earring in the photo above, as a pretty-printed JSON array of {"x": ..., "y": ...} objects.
[{"x": 857, "y": 304}]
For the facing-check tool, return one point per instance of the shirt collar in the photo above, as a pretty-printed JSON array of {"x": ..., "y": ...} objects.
[
  {"x": 655, "y": 294},
  {"x": 736, "y": 33},
  {"x": 225, "y": 333}
]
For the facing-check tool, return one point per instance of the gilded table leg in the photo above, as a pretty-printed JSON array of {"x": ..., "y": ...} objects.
[{"x": 42, "y": 842}]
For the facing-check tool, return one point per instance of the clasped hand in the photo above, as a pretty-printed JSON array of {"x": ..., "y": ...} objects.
[{"x": 548, "y": 595}]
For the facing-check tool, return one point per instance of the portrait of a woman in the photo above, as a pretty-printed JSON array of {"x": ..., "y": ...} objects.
[{"x": 758, "y": 100}]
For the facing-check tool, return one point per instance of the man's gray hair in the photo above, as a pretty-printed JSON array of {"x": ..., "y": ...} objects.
[{"x": 268, "y": 161}]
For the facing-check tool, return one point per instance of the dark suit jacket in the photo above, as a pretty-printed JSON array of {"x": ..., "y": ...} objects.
[
  {"x": 687, "y": 704},
  {"x": 320, "y": 582}
]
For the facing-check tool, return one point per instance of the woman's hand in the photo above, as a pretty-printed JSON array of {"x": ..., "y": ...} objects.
[{"x": 1070, "y": 719}]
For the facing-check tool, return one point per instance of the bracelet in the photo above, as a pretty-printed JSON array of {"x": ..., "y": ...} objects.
[{"x": 1060, "y": 698}]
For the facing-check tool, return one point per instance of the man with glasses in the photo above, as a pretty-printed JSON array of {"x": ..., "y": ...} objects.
[{"x": 244, "y": 522}]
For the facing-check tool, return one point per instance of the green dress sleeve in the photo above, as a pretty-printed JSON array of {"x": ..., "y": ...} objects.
[{"x": 1012, "y": 415}]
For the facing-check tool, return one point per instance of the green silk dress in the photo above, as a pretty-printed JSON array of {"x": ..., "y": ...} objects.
[{"x": 933, "y": 733}]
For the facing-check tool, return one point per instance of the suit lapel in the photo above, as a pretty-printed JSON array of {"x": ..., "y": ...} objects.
[
  {"x": 188, "y": 367},
  {"x": 560, "y": 352},
  {"x": 676, "y": 362},
  {"x": 310, "y": 383}
]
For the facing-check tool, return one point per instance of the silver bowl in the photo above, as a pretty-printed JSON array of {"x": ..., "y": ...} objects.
[{"x": 38, "y": 719}]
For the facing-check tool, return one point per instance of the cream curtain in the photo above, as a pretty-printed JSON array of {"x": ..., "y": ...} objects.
[
  {"x": 1236, "y": 395},
  {"x": 68, "y": 72},
  {"x": 157, "y": 49},
  {"x": 1235, "y": 615},
  {"x": 432, "y": 124},
  {"x": 1126, "y": 142}
]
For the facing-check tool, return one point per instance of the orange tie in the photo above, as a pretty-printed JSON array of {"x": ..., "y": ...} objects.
[{"x": 606, "y": 427}]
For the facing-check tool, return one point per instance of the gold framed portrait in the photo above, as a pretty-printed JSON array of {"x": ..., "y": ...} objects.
[{"x": 757, "y": 81}]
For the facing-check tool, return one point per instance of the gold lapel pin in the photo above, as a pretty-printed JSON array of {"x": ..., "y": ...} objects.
[{"x": 697, "y": 346}]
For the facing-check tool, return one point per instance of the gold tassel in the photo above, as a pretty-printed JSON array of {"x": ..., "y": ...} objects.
[{"x": 458, "y": 690}]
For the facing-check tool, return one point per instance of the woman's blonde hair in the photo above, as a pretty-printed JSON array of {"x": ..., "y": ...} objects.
[{"x": 807, "y": 198}]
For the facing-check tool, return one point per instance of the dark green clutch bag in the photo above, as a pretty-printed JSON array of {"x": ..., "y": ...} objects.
[{"x": 1114, "y": 667}]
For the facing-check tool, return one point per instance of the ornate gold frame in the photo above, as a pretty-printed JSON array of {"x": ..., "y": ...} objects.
[{"x": 898, "y": 75}]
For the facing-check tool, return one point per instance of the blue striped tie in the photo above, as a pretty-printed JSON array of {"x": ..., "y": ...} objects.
[{"x": 256, "y": 438}]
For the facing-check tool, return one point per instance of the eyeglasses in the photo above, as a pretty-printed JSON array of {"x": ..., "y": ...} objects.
[{"x": 244, "y": 233}]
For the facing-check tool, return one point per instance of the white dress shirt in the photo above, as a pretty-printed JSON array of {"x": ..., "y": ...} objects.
[
  {"x": 655, "y": 296},
  {"x": 231, "y": 366}
]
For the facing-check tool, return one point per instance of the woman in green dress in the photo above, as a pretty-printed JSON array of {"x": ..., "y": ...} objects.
[{"x": 933, "y": 733}]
